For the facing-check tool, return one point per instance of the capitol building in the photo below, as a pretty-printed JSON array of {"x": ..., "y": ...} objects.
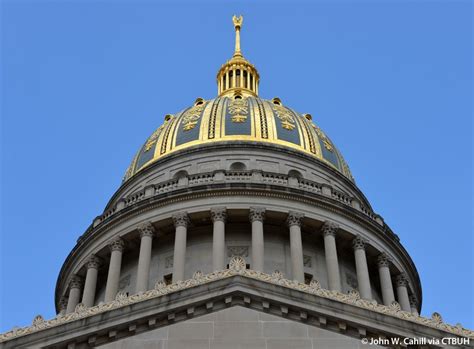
[{"x": 238, "y": 225}]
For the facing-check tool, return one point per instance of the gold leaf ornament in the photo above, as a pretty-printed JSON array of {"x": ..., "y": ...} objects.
[{"x": 239, "y": 110}]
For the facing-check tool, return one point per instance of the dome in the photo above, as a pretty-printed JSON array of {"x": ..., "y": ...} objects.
[{"x": 239, "y": 115}]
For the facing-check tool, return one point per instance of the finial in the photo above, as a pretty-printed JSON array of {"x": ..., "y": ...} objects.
[{"x": 237, "y": 25}]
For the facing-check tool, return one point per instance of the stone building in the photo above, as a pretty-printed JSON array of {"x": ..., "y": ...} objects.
[{"x": 238, "y": 225}]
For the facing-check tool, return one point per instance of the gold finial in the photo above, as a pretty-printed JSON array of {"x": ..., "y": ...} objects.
[{"x": 237, "y": 24}]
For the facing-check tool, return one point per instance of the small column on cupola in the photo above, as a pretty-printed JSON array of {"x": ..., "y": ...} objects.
[{"x": 237, "y": 75}]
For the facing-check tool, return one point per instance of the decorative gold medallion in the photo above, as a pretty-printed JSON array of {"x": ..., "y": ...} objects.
[
  {"x": 239, "y": 110},
  {"x": 327, "y": 143},
  {"x": 191, "y": 116},
  {"x": 286, "y": 117}
]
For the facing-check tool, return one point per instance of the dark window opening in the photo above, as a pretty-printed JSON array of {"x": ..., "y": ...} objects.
[
  {"x": 168, "y": 279},
  {"x": 308, "y": 278}
]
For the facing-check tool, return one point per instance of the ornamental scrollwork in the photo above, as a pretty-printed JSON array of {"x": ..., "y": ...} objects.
[
  {"x": 191, "y": 116},
  {"x": 330, "y": 228},
  {"x": 146, "y": 229},
  {"x": 238, "y": 267},
  {"x": 286, "y": 117},
  {"x": 238, "y": 109},
  {"x": 218, "y": 214},
  {"x": 257, "y": 214},
  {"x": 294, "y": 218}
]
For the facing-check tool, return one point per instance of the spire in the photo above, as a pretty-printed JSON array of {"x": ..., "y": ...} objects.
[
  {"x": 237, "y": 25},
  {"x": 237, "y": 75}
]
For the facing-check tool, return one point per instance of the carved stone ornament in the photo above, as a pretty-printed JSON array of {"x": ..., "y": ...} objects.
[
  {"x": 237, "y": 251},
  {"x": 307, "y": 261},
  {"x": 237, "y": 264},
  {"x": 436, "y": 317},
  {"x": 330, "y": 228},
  {"x": 121, "y": 295},
  {"x": 160, "y": 285},
  {"x": 80, "y": 307},
  {"x": 257, "y": 214},
  {"x": 294, "y": 218},
  {"x": 93, "y": 262},
  {"x": 277, "y": 275},
  {"x": 76, "y": 282},
  {"x": 116, "y": 244},
  {"x": 38, "y": 320},
  {"x": 358, "y": 243},
  {"x": 383, "y": 260},
  {"x": 219, "y": 214},
  {"x": 354, "y": 294},
  {"x": 238, "y": 267},
  {"x": 401, "y": 280},
  {"x": 197, "y": 275},
  {"x": 146, "y": 229},
  {"x": 395, "y": 306},
  {"x": 181, "y": 219}
]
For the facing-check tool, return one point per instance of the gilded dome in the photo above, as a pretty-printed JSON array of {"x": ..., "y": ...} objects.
[
  {"x": 238, "y": 117},
  {"x": 238, "y": 114}
]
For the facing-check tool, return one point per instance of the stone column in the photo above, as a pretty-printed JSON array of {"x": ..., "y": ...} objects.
[
  {"x": 329, "y": 230},
  {"x": 63, "y": 305},
  {"x": 147, "y": 232},
  {"x": 402, "y": 292},
  {"x": 413, "y": 304},
  {"x": 116, "y": 247},
  {"x": 296, "y": 246},
  {"x": 257, "y": 215},
  {"x": 93, "y": 264},
  {"x": 181, "y": 221},
  {"x": 362, "y": 269},
  {"x": 218, "y": 216},
  {"x": 385, "y": 279},
  {"x": 74, "y": 293}
]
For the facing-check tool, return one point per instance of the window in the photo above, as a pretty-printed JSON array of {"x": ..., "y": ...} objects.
[
  {"x": 168, "y": 279},
  {"x": 238, "y": 166},
  {"x": 308, "y": 278}
]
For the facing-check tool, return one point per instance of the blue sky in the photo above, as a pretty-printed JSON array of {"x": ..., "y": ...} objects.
[{"x": 84, "y": 84}]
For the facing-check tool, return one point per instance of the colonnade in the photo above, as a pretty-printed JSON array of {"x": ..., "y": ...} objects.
[{"x": 256, "y": 217}]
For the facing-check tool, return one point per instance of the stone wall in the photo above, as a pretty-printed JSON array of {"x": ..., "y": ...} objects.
[{"x": 238, "y": 328}]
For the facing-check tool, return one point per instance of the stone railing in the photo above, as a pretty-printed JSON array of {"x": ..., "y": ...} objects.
[
  {"x": 256, "y": 177},
  {"x": 237, "y": 266}
]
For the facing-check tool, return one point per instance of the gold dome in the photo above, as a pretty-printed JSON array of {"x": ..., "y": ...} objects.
[{"x": 238, "y": 114}]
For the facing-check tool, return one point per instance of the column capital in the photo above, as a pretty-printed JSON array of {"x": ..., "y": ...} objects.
[
  {"x": 330, "y": 228},
  {"x": 401, "y": 280},
  {"x": 93, "y": 262},
  {"x": 181, "y": 219},
  {"x": 413, "y": 301},
  {"x": 383, "y": 260},
  {"x": 294, "y": 218},
  {"x": 219, "y": 214},
  {"x": 75, "y": 282},
  {"x": 146, "y": 229},
  {"x": 257, "y": 214},
  {"x": 358, "y": 243},
  {"x": 116, "y": 244},
  {"x": 63, "y": 303}
]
